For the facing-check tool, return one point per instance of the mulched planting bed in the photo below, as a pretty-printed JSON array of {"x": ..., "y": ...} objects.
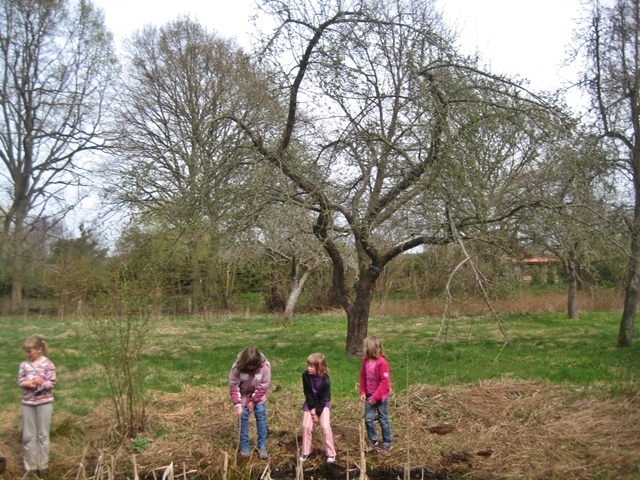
[{"x": 492, "y": 429}]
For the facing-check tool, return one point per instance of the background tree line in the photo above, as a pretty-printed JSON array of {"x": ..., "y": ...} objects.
[{"x": 355, "y": 133}]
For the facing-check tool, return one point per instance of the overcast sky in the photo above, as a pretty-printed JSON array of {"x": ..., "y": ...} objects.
[{"x": 514, "y": 36}]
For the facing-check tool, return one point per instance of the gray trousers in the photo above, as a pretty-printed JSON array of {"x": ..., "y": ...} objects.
[{"x": 36, "y": 421}]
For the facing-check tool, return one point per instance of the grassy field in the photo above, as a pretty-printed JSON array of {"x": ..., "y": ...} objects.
[
  {"x": 199, "y": 351},
  {"x": 195, "y": 354}
]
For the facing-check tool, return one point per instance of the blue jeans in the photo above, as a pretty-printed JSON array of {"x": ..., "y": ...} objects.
[
  {"x": 382, "y": 407},
  {"x": 260, "y": 411}
]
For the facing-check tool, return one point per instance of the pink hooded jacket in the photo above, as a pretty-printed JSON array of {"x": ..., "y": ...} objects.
[
  {"x": 250, "y": 386},
  {"x": 383, "y": 387}
]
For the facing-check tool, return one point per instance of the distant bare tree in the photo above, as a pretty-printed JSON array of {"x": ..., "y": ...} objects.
[
  {"x": 56, "y": 65},
  {"x": 175, "y": 167},
  {"x": 285, "y": 235},
  {"x": 575, "y": 222},
  {"x": 610, "y": 47}
]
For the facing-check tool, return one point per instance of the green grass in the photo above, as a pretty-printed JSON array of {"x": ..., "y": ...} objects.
[{"x": 200, "y": 351}]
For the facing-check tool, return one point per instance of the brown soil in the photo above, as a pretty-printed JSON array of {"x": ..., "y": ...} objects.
[{"x": 493, "y": 429}]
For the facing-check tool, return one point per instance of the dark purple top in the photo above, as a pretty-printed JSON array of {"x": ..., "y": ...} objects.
[{"x": 316, "y": 385}]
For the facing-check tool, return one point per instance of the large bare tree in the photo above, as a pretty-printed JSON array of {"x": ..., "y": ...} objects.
[
  {"x": 400, "y": 129},
  {"x": 610, "y": 47},
  {"x": 56, "y": 64},
  {"x": 176, "y": 168}
]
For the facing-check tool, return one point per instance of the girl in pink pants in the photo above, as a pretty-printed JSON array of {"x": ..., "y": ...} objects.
[{"x": 317, "y": 406}]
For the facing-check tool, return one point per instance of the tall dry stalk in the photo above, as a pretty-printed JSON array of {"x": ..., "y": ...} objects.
[
  {"x": 266, "y": 473},
  {"x": 135, "y": 467},
  {"x": 407, "y": 468},
  {"x": 98, "y": 470},
  {"x": 299, "y": 468},
  {"x": 82, "y": 475},
  {"x": 235, "y": 457},
  {"x": 363, "y": 460},
  {"x": 168, "y": 473},
  {"x": 348, "y": 464}
]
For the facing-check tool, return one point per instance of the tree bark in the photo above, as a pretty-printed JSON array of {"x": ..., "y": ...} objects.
[
  {"x": 572, "y": 294},
  {"x": 196, "y": 278},
  {"x": 572, "y": 298},
  {"x": 625, "y": 335},
  {"x": 296, "y": 289},
  {"x": 358, "y": 313},
  {"x": 17, "y": 283},
  {"x": 17, "y": 278}
]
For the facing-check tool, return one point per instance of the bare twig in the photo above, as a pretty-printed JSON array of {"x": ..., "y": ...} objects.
[{"x": 480, "y": 282}]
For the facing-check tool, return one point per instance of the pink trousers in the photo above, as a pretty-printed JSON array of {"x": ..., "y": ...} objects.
[{"x": 327, "y": 434}]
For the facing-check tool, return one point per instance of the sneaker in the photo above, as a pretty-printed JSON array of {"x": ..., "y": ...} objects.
[
  {"x": 385, "y": 449},
  {"x": 264, "y": 454},
  {"x": 303, "y": 457},
  {"x": 370, "y": 446},
  {"x": 245, "y": 453},
  {"x": 331, "y": 459}
]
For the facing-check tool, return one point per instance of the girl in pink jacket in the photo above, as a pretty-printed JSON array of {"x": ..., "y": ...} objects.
[
  {"x": 375, "y": 386},
  {"x": 36, "y": 377},
  {"x": 249, "y": 381}
]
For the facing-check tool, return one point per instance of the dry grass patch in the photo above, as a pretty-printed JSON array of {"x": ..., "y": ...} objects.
[
  {"x": 548, "y": 302},
  {"x": 497, "y": 429}
]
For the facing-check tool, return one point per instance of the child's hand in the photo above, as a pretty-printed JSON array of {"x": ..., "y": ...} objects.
[
  {"x": 32, "y": 384},
  {"x": 363, "y": 398},
  {"x": 239, "y": 411},
  {"x": 314, "y": 417}
]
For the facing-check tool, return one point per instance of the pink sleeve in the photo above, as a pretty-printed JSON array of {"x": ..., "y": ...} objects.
[
  {"x": 49, "y": 376},
  {"x": 384, "y": 387},
  {"x": 263, "y": 386},
  {"x": 234, "y": 380},
  {"x": 22, "y": 375},
  {"x": 363, "y": 377}
]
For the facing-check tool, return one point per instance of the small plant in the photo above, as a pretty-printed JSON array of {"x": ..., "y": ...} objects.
[
  {"x": 140, "y": 444},
  {"x": 117, "y": 340}
]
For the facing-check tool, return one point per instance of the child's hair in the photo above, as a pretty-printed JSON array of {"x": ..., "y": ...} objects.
[
  {"x": 319, "y": 361},
  {"x": 35, "y": 342},
  {"x": 372, "y": 348},
  {"x": 250, "y": 358}
]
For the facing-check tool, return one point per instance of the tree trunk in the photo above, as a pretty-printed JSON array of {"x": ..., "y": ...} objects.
[
  {"x": 296, "y": 290},
  {"x": 17, "y": 304},
  {"x": 572, "y": 294},
  {"x": 196, "y": 278},
  {"x": 358, "y": 314},
  {"x": 625, "y": 335},
  {"x": 572, "y": 297},
  {"x": 17, "y": 281}
]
